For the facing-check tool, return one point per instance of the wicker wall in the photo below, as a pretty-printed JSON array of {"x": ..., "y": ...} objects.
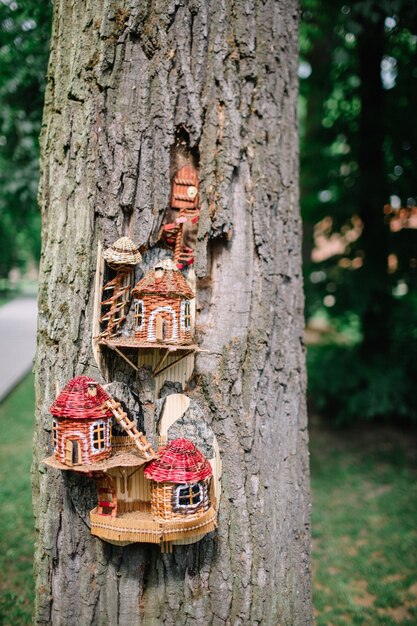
[
  {"x": 162, "y": 495},
  {"x": 82, "y": 432},
  {"x": 170, "y": 311}
]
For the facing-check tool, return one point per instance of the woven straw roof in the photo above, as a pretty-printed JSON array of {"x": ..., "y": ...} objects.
[
  {"x": 122, "y": 252},
  {"x": 179, "y": 462},
  {"x": 171, "y": 283},
  {"x": 76, "y": 402}
]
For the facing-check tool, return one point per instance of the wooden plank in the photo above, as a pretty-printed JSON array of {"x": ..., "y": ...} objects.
[
  {"x": 98, "y": 288},
  {"x": 174, "y": 408}
]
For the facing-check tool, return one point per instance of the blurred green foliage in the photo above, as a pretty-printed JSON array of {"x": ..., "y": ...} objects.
[
  {"x": 358, "y": 97},
  {"x": 24, "y": 48}
]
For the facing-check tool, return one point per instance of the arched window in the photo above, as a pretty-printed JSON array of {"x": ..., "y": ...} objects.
[{"x": 187, "y": 498}]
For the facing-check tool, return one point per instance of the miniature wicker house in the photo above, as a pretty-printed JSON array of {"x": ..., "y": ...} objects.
[
  {"x": 162, "y": 306},
  {"x": 165, "y": 501},
  {"x": 180, "y": 479},
  {"x": 81, "y": 424}
]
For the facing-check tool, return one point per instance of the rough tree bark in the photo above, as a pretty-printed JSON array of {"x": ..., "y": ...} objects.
[{"x": 125, "y": 78}]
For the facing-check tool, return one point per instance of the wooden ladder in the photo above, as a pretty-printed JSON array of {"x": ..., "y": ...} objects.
[
  {"x": 129, "y": 427},
  {"x": 118, "y": 305}
]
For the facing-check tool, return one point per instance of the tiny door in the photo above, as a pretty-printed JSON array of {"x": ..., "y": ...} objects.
[
  {"x": 105, "y": 501},
  {"x": 72, "y": 452},
  {"x": 159, "y": 328}
]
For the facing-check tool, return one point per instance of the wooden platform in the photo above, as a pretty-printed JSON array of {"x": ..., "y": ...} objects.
[
  {"x": 159, "y": 356},
  {"x": 141, "y": 527},
  {"x": 134, "y": 344},
  {"x": 119, "y": 459}
]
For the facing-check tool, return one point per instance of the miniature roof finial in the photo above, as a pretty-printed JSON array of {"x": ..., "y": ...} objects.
[{"x": 121, "y": 253}]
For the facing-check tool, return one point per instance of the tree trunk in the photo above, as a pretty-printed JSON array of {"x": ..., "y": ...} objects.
[{"x": 126, "y": 79}]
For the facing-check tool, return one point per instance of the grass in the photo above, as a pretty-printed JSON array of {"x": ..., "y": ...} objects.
[
  {"x": 364, "y": 484},
  {"x": 16, "y": 519},
  {"x": 364, "y": 521}
]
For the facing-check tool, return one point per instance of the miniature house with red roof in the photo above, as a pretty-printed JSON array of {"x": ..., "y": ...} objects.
[
  {"x": 180, "y": 479},
  {"x": 81, "y": 424},
  {"x": 167, "y": 500},
  {"x": 162, "y": 307}
]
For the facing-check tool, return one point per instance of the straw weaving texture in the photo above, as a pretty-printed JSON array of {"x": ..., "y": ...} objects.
[
  {"x": 80, "y": 432},
  {"x": 75, "y": 401},
  {"x": 122, "y": 252},
  {"x": 162, "y": 502},
  {"x": 180, "y": 199},
  {"x": 171, "y": 283},
  {"x": 179, "y": 462},
  {"x": 169, "y": 308}
]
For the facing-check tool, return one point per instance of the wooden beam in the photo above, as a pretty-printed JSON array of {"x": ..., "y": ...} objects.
[
  {"x": 156, "y": 372},
  {"x": 160, "y": 362}
]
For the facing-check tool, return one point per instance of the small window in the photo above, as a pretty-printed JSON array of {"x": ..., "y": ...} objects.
[
  {"x": 99, "y": 436},
  {"x": 187, "y": 497},
  {"x": 138, "y": 314},
  {"x": 187, "y": 314},
  {"x": 55, "y": 434}
]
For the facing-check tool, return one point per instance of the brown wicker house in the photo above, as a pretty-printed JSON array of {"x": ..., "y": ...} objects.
[
  {"x": 162, "y": 306},
  {"x": 180, "y": 480},
  {"x": 81, "y": 424},
  {"x": 167, "y": 501},
  {"x": 181, "y": 231}
]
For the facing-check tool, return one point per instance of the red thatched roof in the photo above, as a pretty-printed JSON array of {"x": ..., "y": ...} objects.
[
  {"x": 179, "y": 462},
  {"x": 77, "y": 402},
  {"x": 165, "y": 279}
]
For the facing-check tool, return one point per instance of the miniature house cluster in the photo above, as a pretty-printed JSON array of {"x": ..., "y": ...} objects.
[
  {"x": 142, "y": 496},
  {"x": 161, "y": 306},
  {"x": 169, "y": 496},
  {"x": 152, "y": 319}
]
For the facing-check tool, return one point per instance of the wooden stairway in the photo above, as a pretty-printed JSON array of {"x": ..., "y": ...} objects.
[
  {"x": 129, "y": 427},
  {"x": 118, "y": 303}
]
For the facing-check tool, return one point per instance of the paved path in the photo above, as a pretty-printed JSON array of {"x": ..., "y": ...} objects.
[{"x": 17, "y": 341}]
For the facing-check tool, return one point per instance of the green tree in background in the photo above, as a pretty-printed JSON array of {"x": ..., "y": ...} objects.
[
  {"x": 359, "y": 148},
  {"x": 24, "y": 43}
]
